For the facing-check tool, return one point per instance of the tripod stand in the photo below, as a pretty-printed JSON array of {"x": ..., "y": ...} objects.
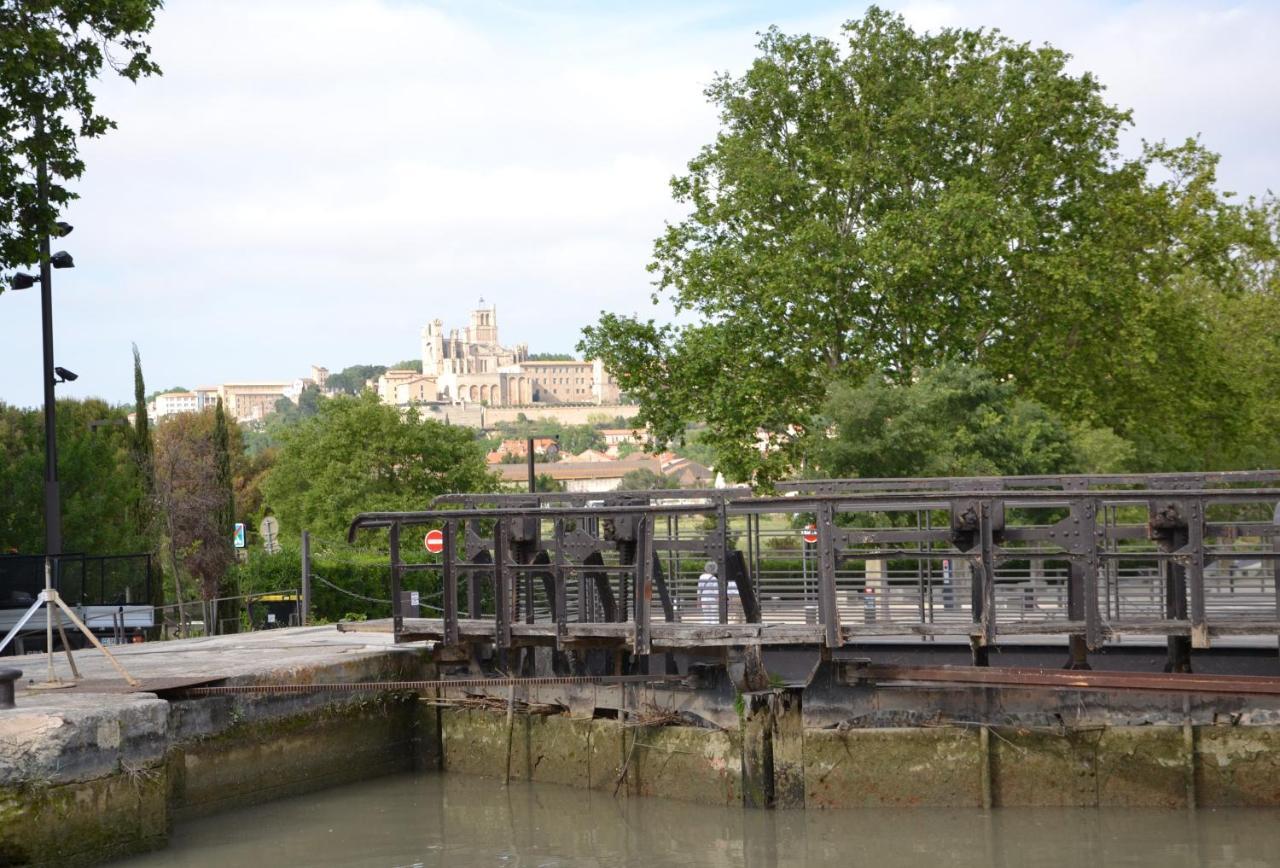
[{"x": 55, "y": 606}]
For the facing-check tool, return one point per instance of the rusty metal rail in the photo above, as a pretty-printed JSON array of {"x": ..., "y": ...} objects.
[
  {"x": 1059, "y": 679},
  {"x": 422, "y": 684}
]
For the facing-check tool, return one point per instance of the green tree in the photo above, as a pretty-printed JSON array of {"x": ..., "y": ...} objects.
[
  {"x": 643, "y": 479},
  {"x": 352, "y": 379},
  {"x": 409, "y": 365},
  {"x": 222, "y": 469},
  {"x": 955, "y": 420},
  {"x": 50, "y": 53},
  {"x": 904, "y": 198},
  {"x": 102, "y": 488},
  {"x": 192, "y": 498},
  {"x": 358, "y": 454},
  {"x": 546, "y": 482},
  {"x": 140, "y": 448}
]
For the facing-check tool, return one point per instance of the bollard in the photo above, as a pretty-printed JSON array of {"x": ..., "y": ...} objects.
[{"x": 7, "y": 678}]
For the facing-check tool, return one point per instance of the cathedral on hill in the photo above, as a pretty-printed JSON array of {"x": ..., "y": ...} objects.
[{"x": 471, "y": 366}]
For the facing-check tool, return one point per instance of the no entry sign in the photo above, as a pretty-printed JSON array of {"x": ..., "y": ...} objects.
[
  {"x": 810, "y": 533},
  {"x": 434, "y": 541}
]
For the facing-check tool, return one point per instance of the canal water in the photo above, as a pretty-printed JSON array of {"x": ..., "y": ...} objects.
[{"x": 458, "y": 820}]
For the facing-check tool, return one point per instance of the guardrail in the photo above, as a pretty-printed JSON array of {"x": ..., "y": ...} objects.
[{"x": 1089, "y": 558}]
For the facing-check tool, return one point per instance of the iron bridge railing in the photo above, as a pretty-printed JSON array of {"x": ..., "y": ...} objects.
[{"x": 1183, "y": 556}]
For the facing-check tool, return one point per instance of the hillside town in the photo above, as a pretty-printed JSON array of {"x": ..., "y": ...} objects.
[{"x": 468, "y": 377}]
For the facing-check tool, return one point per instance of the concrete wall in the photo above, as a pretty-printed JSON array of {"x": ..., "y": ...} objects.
[
  {"x": 109, "y": 775},
  {"x": 770, "y": 759}
]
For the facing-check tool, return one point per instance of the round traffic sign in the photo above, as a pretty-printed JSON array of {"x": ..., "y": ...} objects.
[
  {"x": 810, "y": 533},
  {"x": 434, "y": 541}
]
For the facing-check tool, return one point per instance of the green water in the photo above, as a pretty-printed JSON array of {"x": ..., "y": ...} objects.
[{"x": 456, "y": 820}]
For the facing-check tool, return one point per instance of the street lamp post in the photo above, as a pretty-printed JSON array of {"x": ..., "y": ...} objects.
[
  {"x": 52, "y": 374},
  {"x": 52, "y": 496}
]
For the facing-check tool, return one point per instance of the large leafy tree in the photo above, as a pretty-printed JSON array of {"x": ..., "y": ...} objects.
[
  {"x": 192, "y": 495},
  {"x": 103, "y": 487},
  {"x": 358, "y": 454},
  {"x": 885, "y": 203},
  {"x": 50, "y": 53},
  {"x": 956, "y": 420}
]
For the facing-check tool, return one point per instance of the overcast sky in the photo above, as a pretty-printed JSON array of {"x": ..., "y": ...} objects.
[{"x": 312, "y": 180}]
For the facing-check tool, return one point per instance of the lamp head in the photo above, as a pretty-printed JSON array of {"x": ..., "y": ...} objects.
[
  {"x": 62, "y": 375},
  {"x": 22, "y": 280},
  {"x": 62, "y": 259},
  {"x": 61, "y": 229}
]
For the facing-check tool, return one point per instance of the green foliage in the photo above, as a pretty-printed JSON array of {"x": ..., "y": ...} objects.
[
  {"x": 103, "y": 487},
  {"x": 141, "y": 452},
  {"x": 50, "y": 52},
  {"x": 192, "y": 495},
  {"x": 955, "y": 421},
  {"x": 546, "y": 482},
  {"x": 696, "y": 448},
  {"x": 551, "y": 357},
  {"x": 409, "y": 365},
  {"x": 574, "y": 439},
  {"x": 358, "y": 454},
  {"x": 351, "y": 380},
  {"x": 643, "y": 479},
  {"x": 604, "y": 420},
  {"x": 361, "y": 573},
  {"x": 900, "y": 199}
]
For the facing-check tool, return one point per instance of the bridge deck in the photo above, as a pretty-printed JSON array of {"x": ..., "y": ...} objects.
[{"x": 668, "y": 635}]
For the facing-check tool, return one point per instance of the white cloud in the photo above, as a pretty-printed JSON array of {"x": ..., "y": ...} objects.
[{"x": 312, "y": 179}]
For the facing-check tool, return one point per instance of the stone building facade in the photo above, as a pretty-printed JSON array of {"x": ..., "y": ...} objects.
[{"x": 471, "y": 366}]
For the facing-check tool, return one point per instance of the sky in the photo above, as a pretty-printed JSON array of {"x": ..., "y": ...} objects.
[{"x": 311, "y": 181}]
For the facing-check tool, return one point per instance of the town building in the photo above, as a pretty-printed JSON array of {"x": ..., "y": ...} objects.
[
  {"x": 579, "y": 476},
  {"x": 172, "y": 403},
  {"x": 471, "y": 366}
]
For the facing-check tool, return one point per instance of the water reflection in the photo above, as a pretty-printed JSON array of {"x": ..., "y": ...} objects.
[{"x": 458, "y": 820}]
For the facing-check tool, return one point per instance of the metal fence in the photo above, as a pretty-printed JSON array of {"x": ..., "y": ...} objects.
[
  {"x": 81, "y": 580},
  {"x": 1091, "y": 557}
]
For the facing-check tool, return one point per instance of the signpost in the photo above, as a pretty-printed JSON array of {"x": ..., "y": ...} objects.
[
  {"x": 270, "y": 530},
  {"x": 810, "y": 534},
  {"x": 239, "y": 537},
  {"x": 434, "y": 541}
]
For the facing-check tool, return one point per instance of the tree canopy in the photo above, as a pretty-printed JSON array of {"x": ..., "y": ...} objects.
[
  {"x": 895, "y": 200},
  {"x": 104, "y": 490},
  {"x": 954, "y": 421},
  {"x": 50, "y": 52},
  {"x": 358, "y": 454}
]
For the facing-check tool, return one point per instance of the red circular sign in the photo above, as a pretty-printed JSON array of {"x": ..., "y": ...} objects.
[
  {"x": 810, "y": 533},
  {"x": 434, "y": 541}
]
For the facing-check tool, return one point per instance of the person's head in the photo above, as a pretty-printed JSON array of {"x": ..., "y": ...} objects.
[{"x": 709, "y": 567}]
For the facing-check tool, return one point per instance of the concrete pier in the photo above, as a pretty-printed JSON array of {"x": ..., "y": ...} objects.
[{"x": 97, "y": 772}]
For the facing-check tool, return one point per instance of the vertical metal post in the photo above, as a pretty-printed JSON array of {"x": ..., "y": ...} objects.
[
  {"x": 397, "y": 617},
  {"x": 988, "y": 574},
  {"x": 449, "y": 584},
  {"x": 1195, "y": 574},
  {"x": 1174, "y": 539},
  {"x": 1090, "y": 531},
  {"x": 1275, "y": 562},
  {"x": 473, "y": 585},
  {"x": 533, "y": 480},
  {"x": 306, "y": 576},
  {"x": 644, "y": 583},
  {"x": 561, "y": 605},
  {"x": 52, "y": 495},
  {"x": 722, "y": 574},
  {"x": 828, "y": 612},
  {"x": 501, "y": 587}
]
